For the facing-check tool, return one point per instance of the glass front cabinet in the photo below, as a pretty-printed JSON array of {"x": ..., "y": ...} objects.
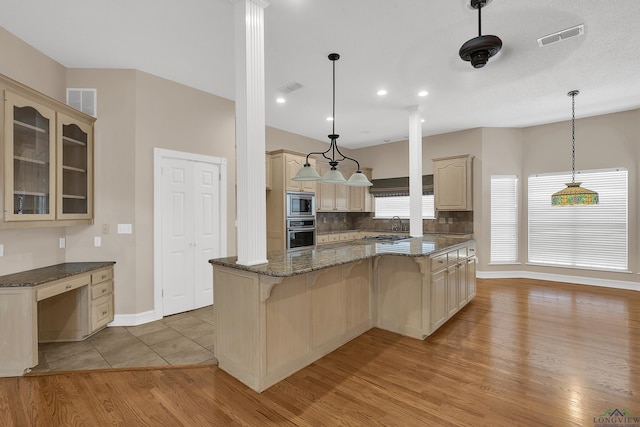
[{"x": 48, "y": 161}]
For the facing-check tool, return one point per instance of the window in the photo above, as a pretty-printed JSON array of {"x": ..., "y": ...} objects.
[
  {"x": 504, "y": 219},
  {"x": 387, "y": 207},
  {"x": 591, "y": 236}
]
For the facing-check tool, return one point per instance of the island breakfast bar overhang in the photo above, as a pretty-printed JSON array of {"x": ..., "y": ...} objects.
[{"x": 274, "y": 319}]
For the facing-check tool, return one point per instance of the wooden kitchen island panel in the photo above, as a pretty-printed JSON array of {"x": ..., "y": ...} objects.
[{"x": 270, "y": 327}]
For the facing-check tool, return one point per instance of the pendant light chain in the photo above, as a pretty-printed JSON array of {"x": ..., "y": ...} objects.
[{"x": 573, "y": 137}]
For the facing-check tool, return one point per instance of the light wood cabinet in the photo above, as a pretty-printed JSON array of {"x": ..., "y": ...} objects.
[
  {"x": 341, "y": 197},
  {"x": 267, "y": 171},
  {"x": 417, "y": 295},
  {"x": 453, "y": 186},
  {"x": 48, "y": 161},
  {"x": 101, "y": 299},
  {"x": 293, "y": 163},
  {"x": 283, "y": 166},
  {"x": 75, "y": 168}
]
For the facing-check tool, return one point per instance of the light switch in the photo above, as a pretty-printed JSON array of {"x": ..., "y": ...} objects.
[
  {"x": 1, "y": 250},
  {"x": 97, "y": 241},
  {"x": 62, "y": 243},
  {"x": 125, "y": 229}
]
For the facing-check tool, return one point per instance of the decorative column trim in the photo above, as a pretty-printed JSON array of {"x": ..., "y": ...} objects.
[
  {"x": 415, "y": 172},
  {"x": 250, "y": 131}
]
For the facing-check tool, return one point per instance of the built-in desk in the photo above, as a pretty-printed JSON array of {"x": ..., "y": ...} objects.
[{"x": 64, "y": 302}]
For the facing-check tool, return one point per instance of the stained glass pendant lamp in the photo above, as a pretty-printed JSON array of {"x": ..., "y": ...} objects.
[
  {"x": 333, "y": 176},
  {"x": 574, "y": 194}
]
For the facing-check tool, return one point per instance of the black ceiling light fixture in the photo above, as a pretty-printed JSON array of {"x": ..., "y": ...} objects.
[
  {"x": 333, "y": 176},
  {"x": 479, "y": 49}
]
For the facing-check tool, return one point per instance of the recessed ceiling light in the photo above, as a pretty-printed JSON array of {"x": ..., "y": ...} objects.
[
  {"x": 329, "y": 119},
  {"x": 423, "y": 93},
  {"x": 281, "y": 100},
  {"x": 421, "y": 120},
  {"x": 382, "y": 92}
]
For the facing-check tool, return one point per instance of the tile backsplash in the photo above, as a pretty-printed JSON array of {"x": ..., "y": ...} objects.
[{"x": 446, "y": 222}]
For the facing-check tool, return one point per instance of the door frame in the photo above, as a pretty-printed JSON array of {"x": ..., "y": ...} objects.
[{"x": 159, "y": 154}]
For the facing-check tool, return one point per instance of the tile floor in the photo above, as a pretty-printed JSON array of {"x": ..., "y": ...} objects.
[{"x": 181, "y": 339}]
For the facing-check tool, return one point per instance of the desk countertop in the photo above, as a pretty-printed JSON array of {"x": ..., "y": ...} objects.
[{"x": 38, "y": 276}]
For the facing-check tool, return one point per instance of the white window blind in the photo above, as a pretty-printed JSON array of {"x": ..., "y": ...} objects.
[
  {"x": 387, "y": 207},
  {"x": 590, "y": 236},
  {"x": 504, "y": 219}
]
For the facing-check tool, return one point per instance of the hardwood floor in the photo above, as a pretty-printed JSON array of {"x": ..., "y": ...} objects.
[{"x": 524, "y": 352}]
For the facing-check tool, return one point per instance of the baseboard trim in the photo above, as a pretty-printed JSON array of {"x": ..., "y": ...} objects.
[
  {"x": 590, "y": 281},
  {"x": 133, "y": 319}
]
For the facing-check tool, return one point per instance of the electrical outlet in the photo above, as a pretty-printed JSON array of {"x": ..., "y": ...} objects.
[
  {"x": 1, "y": 250},
  {"x": 97, "y": 241},
  {"x": 125, "y": 229},
  {"x": 441, "y": 220},
  {"x": 450, "y": 220},
  {"x": 105, "y": 228},
  {"x": 62, "y": 243}
]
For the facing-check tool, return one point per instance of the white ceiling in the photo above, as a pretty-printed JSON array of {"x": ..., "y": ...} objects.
[{"x": 400, "y": 45}]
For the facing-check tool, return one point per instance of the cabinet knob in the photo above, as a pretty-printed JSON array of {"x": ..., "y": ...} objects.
[
  {"x": 104, "y": 290},
  {"x": 104, "y": 313},
  {"x": 104, "y": 276},
  {"x": 68, "y": 287}
]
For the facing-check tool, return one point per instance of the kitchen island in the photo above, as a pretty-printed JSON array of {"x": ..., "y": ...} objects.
[{"x": 274, "y": 319}]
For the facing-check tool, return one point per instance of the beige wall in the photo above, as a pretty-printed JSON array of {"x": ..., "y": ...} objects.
[
  {"x": 607, "y": 141},
  {"x": 25, "y": 249},
  {"x": 138, "y": 112},
  {"x": 27, "y": 65}
]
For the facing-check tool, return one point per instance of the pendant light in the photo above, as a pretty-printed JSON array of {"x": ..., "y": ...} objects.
[
  {"x": 333, "y": 176},
  {"x": 574, "y": 194},
  {"x": 479, "y": 49}
]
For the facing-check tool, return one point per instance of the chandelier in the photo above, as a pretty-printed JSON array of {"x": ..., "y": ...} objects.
[
  {"x": 574, "y": 194},
  {"x": 333, "y": 176}
]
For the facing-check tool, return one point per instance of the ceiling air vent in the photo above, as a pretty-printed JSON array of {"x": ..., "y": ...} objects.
[
  {"x": 289, "y": 87},
  {"x": 561, "y": 35},
  {"x": 84, "y": 100}
]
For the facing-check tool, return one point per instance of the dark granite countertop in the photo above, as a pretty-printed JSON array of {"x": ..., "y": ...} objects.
[
  {"x": 283, "y": 264},
  {"x": 38, "y": 276}
]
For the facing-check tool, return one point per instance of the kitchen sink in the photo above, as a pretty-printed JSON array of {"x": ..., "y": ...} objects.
[{"x": 388, "y": 237}]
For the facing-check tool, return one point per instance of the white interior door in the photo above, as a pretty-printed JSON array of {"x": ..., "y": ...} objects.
[
  {"x": 191, "y": 204},
  {"x": 207, "y": 229}
]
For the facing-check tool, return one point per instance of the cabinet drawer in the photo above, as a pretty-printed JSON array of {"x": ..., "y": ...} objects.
[
  {"x": 101, "y": 312},
  {"x": 102, "y": 276},
  {"x": 334, "y": 237},
  {"x": 345, "y": 236},
  {"x": 104, "y": 288},
  {"x": 438, "y": 262},
  {"x": 322, "y": 238},
  {"x": 59, "y": 288},
  {"x": 452, "y": 257}
]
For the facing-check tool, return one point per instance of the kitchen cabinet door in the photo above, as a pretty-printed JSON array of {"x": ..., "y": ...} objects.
[
  {"x": 293, "y": 163},
  {"x": 29, "y": 152},
  {"x": 75, "y": 169},
  {"x": 452, "y": 290},
  {"x": 453, "y": 183},
  {"x": 438, "y": 299}
]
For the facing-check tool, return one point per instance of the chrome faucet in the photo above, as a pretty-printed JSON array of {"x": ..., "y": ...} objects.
[{"x": 396, "y": 227}]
